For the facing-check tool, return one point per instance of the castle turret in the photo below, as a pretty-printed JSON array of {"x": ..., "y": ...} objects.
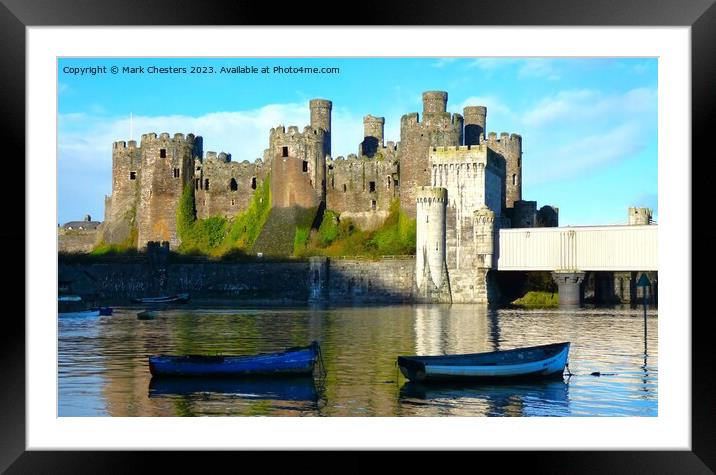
[
  {"x": 510, "y": 148},
  {"x": 373, "y": 128},
  {"x": 430, "y": 263},
  {"x": 434, "y": 102},
  {"x": 438, "y": 128},
  {"x": 321, "y": 119},
  {"x": 639, "y": 216},
  {"x": 475, "y": 123},
  {"x": 485, "y": 228}
]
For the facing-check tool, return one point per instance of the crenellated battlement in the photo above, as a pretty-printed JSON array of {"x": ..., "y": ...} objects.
[
  {"x": 280, "y": 133},
  {"x": 164, "y": 137},
  {"x": 428, "y": 194},
  {"x": 506, "y": 139}
]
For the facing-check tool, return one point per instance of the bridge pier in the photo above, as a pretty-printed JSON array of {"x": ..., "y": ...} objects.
[{"x": 568, "y": 284}]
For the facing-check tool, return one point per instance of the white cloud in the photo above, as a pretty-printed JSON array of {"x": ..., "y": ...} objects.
[
  {"x": 493, "y": 104},
  {"x": 587, "y": 153},
  {"x": 441, "y": 62},
  {"x": 589, "y": 105},
  {"x": 491, "y": 64},
  {"x": 539, "y": 68}
]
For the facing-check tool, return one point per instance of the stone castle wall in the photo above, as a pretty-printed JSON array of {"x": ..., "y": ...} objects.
[{"x": 223, "y": 187}]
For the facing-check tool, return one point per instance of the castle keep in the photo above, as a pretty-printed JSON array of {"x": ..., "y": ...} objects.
[{"x": 459, "y": 182}]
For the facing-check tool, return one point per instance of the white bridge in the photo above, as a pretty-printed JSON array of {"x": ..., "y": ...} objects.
[{"x": 587, "y": 248}]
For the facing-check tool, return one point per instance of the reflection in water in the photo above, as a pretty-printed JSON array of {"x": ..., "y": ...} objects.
[
  {"x": 549, "y": 398},
  {"x": 103, "y": 361},
  {"x": 280, "y": 389}
]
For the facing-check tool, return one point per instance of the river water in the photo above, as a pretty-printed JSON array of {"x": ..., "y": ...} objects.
[{"x": 103, "y": 369}]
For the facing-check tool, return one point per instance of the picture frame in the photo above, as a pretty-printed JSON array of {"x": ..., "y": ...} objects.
[{"x": 16, "y": 15}]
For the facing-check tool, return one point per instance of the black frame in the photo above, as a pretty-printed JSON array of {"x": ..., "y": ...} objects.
[{"x": 700, "y": 15}]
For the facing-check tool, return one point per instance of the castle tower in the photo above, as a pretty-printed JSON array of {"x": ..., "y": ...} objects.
[
  {"x": 373, "y": 129},
  {"x": 485, "y": 229},
  {"x": 321, "y": 119},
  {"x": 167, "y": 168},
  {"x": 475, "y": 123},
  {"x": 120, "y": 207},
  {"x": 434, "y": 102},
  {"x": 437, "y": 129},
  {"x": 431, "y": 278},
  {"x": 510, "y": 148},
  {"x": 639, "y": 216}
]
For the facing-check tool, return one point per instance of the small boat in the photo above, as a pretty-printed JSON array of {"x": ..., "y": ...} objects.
[
  {"x": 79, "y": 314},
  {"x": 296, "y": 388},
  {"x": 534, "y": 362},
  {"x": 147, "y": 315},
  {"x": 293, "y": 361},
  {"x": 177, "y": 298},
  {"x": 104, "y": 311},
  {"x": 69, "y": 298}
]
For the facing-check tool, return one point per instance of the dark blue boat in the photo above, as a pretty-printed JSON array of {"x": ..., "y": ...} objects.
[
  {"x": 297, "y": 388},
  {"x": 104, "y": 311},
  {"x": 293, "y": 361}
]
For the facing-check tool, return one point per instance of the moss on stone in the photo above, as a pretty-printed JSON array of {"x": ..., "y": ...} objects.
[{"x": 537, "y": 299}]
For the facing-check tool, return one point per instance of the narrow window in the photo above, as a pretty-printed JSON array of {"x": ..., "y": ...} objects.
[
  {"x": 176, "y": 173},
  {"x": 196, "y": 184},
  {"x": 389, "y": 183},
  {"x": 163, "y": 153},
  {"x": 253, "y": 183},
  {"x": 305, "y": 166},
  {"x": 395, "y": 183},
  {"x": 284, "y": 151},
  {"x": 372, "y": 186},
  {"x": 132, "y": 175},
  {"x": 206, "y": 184},
  {"x": 333, "y": 183},
  {"x": 514, "y": 179},
  {"x": 372, "y": 204},
  {"x": 232, "y": 202},
  {"x": 345, "y": 188},
  {"x": 233, "y": 186}
]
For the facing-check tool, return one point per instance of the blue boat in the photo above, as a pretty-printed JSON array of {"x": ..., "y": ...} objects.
[
  {"x": 104, "y": 311},
  {"x": 297, "y": 388},
  {"x": 293, "y": 361}
]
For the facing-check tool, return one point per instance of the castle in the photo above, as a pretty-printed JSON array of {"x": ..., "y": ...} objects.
[
  {"x": 461, "y": 185},
  {"x": 149, "y": 178}
]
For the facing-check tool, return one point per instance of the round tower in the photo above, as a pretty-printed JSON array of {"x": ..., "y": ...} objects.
[
  {"x": 484, "y": 228},
  {"x": 512, "y": 151},
  {"x": 321, "y": 119},
  {"x": 475, "y": 123},
  {"x": 639, "y": 216},
  {"x": 374, "y": 127},
  {"x": 434, "y": 102},
  {"x": 431, "y": 206}
]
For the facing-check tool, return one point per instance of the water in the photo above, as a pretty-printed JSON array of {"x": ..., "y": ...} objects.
[{"x": 103, "y": 367}]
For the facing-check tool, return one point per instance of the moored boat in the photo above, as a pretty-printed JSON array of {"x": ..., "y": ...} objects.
[
  {"x": 147, "y": 315},
  {"x": 534, "y": 362},
  {"x": 293, "y": 361},
  {"x": 79, "y": 314},
  {"x": 176, "y": 298},
  {"x": 104, "y": 311}
]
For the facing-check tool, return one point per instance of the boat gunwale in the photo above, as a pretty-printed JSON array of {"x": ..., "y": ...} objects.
[{"x": 454, "y": 360}]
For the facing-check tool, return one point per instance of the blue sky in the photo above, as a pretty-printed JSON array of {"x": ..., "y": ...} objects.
[{"x": 588, "y": 125}]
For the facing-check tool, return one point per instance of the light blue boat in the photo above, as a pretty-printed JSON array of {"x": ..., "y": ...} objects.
[{"x": 520, "y": 363}]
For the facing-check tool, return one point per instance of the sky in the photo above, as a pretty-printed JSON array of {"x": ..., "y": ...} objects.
[{"x": 588, "y": 125}]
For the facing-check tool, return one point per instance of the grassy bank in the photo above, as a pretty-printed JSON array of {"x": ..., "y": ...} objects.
[
  {"x": 341, "y": 237},
  {"x": 537, "y": 299},
  {"x": 218, "y": 236}
]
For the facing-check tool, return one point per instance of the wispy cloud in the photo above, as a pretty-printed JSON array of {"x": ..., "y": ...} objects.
[
  {"x": 541, "y": 68},
  {"x": 442, "y": 62},
  {"x": 493, "y": 104}
]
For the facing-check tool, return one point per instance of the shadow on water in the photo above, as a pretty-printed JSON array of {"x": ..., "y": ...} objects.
[
  {"x": 495, "y": 398},
  {"x": 277, "y": 389}
]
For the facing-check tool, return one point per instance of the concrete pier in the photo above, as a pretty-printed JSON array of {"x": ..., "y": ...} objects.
[{"x": 568, "y": 284}]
